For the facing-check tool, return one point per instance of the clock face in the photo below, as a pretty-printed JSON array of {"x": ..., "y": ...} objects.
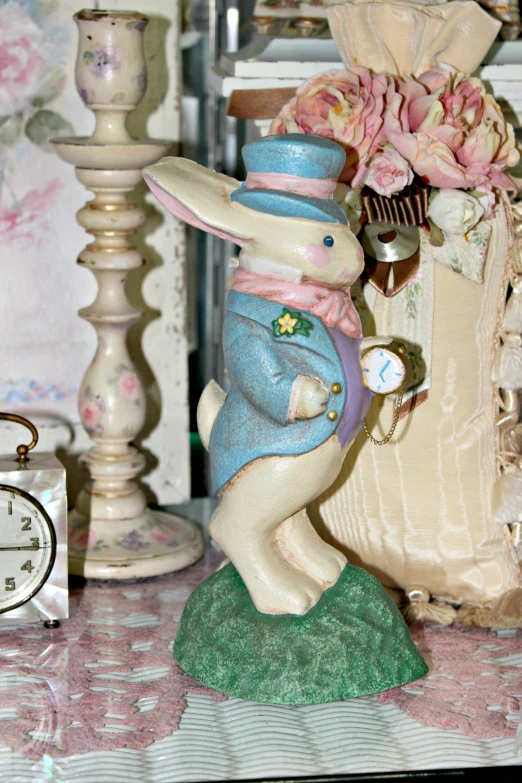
[
  {"x": 383, "y": 370},
  {"x": 27, "y": 547}
]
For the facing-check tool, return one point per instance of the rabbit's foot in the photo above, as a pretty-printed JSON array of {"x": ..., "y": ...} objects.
[
  {"x": 287, "y": 591},
  {"x": 304, "y": 549},
  {"x": 275, "y": 586}
]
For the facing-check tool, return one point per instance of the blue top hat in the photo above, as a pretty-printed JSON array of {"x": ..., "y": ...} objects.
[{"x": 293, "y": 175}]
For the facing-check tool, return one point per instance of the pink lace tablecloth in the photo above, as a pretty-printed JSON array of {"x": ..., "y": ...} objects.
[
  {"x": 106, "y": 678},
  {"x": 474, "y": 683}
]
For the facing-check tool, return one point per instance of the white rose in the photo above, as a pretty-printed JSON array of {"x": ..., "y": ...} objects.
[
  {"x": 349, "y": 199},
  {"x": 455, "y": 211}
]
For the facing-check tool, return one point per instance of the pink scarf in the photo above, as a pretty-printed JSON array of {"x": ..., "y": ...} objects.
[{"x": 334, "y": 307}]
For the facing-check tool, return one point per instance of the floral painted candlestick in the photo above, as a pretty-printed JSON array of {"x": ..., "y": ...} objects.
[{"x": 113, "y": 534}]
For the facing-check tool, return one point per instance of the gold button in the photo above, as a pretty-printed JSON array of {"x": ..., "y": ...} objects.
[
  {"x": 336, "y": 388},
  {"x": 332, "y": 415}
]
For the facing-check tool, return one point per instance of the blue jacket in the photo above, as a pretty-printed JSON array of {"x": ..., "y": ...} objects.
[{"x": 253, "y": 421}]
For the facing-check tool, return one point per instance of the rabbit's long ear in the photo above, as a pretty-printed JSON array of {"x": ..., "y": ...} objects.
[{"x": 200, "y": 197}]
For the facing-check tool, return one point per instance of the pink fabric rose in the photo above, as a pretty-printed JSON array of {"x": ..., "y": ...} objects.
[
  {"x": 455, "y": 136},
  {"x": 128, "y": 386},
  {"x": 21, "y": 64},
  {"x": 387, "y": 171},
  {"x": 346, "y": 106}
]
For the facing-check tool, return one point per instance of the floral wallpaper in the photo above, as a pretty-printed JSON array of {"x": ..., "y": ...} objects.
[
  {"x": 45, "y": 348},
  {"x": 37, "y": 102},
  {"x": 31, "y": 78}
]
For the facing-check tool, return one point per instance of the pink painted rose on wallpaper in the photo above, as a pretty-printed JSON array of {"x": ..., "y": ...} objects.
[
  {"x": 21, "y": 63},
  {"x": 31, "y": 74},
  {"x": 27, "y": 221},
  {"x": 35, "y": 38},
  {"x": 31, "y": 77}
]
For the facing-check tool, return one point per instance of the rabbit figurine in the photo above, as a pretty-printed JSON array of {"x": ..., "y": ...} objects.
[{"x": 292, "y": 342}]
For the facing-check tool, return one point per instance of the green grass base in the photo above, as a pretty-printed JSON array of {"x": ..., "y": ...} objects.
[{"x": 353, "y": 642}]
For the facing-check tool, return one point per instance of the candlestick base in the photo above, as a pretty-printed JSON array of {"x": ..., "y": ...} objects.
[{"x": 151, "y": 544}]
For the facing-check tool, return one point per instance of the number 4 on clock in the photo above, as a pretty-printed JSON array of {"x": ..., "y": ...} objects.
[{"x": 28, "y": 566}]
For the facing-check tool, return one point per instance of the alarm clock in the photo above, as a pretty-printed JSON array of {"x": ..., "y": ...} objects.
[
  {"x": 33, "y": 535},
  {"x": 385, "y": 369}
]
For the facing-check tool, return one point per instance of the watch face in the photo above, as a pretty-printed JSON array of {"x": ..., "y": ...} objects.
[
  {"x": 27, "y": 547},
  {"x": 383, "y": 370}
]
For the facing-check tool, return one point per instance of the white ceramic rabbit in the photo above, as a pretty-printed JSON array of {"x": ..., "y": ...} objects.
[{"x": 292, "y": 342}]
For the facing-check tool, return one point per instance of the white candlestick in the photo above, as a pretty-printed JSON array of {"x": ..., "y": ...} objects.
[{"x": 113, "y": 535}]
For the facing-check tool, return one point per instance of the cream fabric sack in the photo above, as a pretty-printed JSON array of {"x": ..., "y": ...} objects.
[{"x": 419, "y": 512}]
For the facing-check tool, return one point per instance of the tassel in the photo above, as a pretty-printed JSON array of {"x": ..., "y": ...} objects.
[
  {"x": 420, "y": 609},
  {"x": 476, "y": 617},
  {"x": 512, "y": 439},
  {"x": 516, "y": 538},
  {"x": 507, "y": 498},
  {"x": 512, "y": 321},
  {"x": 517, "y": 245},
  {"x": 506, "y": 613},
  {"x": 508, "y": 608},
  {"x": 509, "y": 411},
  {"x": 507, "y": 364},
  {"x": 506, "y": 422},
  {"x": 511, "y": 400}
]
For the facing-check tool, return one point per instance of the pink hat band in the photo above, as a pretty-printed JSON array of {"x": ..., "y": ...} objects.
[{"x": 289, "y": 183}]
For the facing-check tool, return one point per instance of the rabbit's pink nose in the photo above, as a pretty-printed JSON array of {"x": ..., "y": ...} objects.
[{"x": 318, "y": 255}]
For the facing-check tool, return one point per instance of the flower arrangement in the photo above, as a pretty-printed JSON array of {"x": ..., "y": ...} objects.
[{"x": 441, "y": 127}]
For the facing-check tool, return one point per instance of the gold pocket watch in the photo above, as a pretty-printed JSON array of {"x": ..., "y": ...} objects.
[
  {"x": 386, "y": 369},
  {"x": 33, "y": 535}
]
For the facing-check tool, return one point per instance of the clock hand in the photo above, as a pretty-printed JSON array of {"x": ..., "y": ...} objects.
[
  {"x": 381, "y": 374},
  {"x": 21, "y": 548}
]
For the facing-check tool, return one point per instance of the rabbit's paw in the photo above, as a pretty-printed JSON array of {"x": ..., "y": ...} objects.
[
  {"x": 288, "y": 593},
  {"x": 308, "y": 399},
  {"x": 303, "y": 548},
  {"x": 325, "y": 565}
]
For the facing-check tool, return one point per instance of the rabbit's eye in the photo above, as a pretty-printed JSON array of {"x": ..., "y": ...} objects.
[{"x": 328, "y": 241}]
